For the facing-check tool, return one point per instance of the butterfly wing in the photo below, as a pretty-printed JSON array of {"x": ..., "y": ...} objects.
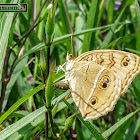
[
  {"x": 125, "y": 65},
  {"x": 95, "y": 89}
]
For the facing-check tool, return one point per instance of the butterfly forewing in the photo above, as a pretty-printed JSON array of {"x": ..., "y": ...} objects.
[{"x": 125, "y": 65}]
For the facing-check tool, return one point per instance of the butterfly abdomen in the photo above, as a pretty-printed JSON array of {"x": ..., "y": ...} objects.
[{"x": 62, "y": 84}]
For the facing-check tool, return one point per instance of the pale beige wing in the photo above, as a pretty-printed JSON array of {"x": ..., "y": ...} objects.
[
  {"x": 95, "y": 89},
  {"x": 125, "y": 65}
]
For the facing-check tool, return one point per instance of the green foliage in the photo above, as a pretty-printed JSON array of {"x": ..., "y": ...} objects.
[
  {"x": 5, "y": 22},
  {"x": 50, "y": 22},
  {"x": 30, "y": 106},
  {"x": 91, "y": 22},
  {"x": 49, "y": 90}
]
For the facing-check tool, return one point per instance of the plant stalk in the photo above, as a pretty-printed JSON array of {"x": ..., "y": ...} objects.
[{"x": 47, "y": 113}]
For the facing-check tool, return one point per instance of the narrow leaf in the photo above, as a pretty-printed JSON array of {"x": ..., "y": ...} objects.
[
  {"x": 30, "y": 119},
  {"x": 19, "y": 102},
  {"x": 90, "y": 23},
  {"x": 112, "y": 129},
  {"x": 87, "y": 124},
  {"x": 110, "y": 34},
  {"x": 4, "y": 32}
]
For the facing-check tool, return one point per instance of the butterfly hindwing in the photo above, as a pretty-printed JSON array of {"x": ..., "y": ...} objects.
[{"x": 92, "y": 81}]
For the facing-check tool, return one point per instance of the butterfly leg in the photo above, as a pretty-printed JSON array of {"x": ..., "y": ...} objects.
[{"x": 61, "y": 67}]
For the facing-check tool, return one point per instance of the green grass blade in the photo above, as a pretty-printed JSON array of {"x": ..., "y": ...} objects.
[
  {"x": 79, "y": 131},
  {"x": 5, "y": 28},
  {"x": 26, "y": 129},
  {"x": 63, "y": 17},
  {"x": 5, "y": 31},
  {"x": 65, "y": 37},
  {"x": 21, "y": 123},
  {"x": 26, "y": 25},
  {"x": 110, "y": 34},
  {"x": 17, "y": 71},
  {"x": 121, "y": 131},
  {"x": 138, "y": 26},
  {"x": 137, "y": 9},
  {"x": 30, "y": 120},
  {"x": 112, "y": 129},
  {"x": 132, "y": 131},
  {"x": 87, "y": 124},
  {"x": 91, "y": 21},
  {"x": 65, "y": 23},
  {"x": 110, "y": 10},
  {"x": 136, "y": 87},
  {"x": 133, "y": 51},
  {"x": 68, "y": 36},
  {"x": 19, "y": 102}
]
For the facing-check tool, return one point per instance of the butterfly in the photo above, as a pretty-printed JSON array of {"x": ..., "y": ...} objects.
[{"x": 98, "y": 78}]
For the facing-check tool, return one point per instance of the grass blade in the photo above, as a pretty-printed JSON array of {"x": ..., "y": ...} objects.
[
  {"x": 27, "y": 120},
  {"x": 4, "y": 32},
  {"x": 110, "y": 34},
  {"x": 93, "y": 12},
  {"x": 112, "y": 129},
  {"x": 87, "y": 124},
  {"x": 19, "y": 102}
]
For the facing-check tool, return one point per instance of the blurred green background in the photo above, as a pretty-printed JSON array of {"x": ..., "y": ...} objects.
[{"x": 31, "y": 41}]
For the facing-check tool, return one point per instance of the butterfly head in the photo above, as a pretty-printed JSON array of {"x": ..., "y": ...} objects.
[
  {"x": 69, "y": 61},
  {"x": 69, "y": 57},
  {"x": 68, "y": 64}
]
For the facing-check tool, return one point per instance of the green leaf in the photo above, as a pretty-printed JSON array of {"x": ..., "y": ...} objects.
[
  {"x": 79, "y": 132},
  {"x": 110, "y": 10},
  {"x": 65, "y": 37},
  {"x": 26, "y": 129},
  {"x": 19, "y": 102},
  {"x": 21, "y": 123},
  {"x": 30, "y": 120},
  {"x": 138, "y": 26},
  {"x": 121, "y": 131},
  {"x": 68, "y": 36},
  {"x": 133, "y": 129},
  {"x": 137, "y": 9},
  {"x": 23, "y": 88},
  {"x": 17, "y": 71},
  {"x": 4, "y": 35},
  {"x": 136, "y": 87},
  {"x": 117, "y": 125},
  {"x": 87, "y": 124},
  {"x": 110, "y": 34},
  {"x": 69, "y": 121},
  {"x": 49, "y": 90},
  {"x": 93, "y": 13},
  {"x": 65, "y": 23},
  {"x": 64, "y": 18},
  {"x": 60, "y": 97},
  {"x": 132, "y": 50}
]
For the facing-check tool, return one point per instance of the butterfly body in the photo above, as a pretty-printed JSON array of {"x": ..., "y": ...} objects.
[{"x": 98, "y": 78}]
